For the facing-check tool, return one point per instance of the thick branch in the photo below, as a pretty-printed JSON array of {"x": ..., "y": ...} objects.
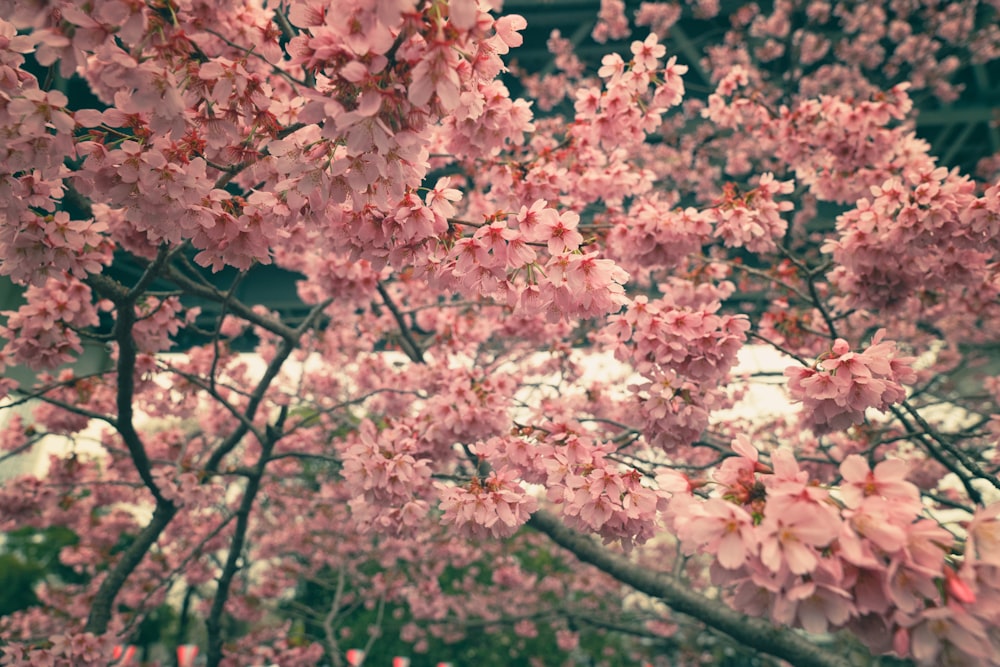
[
  {"x": 100, "y": 609},
  {"x": 238, "y": 308},
  {"x": 753, "y": 632},
  {"x": 213, "y": 623},
  {"x": 124, "y": 301}
]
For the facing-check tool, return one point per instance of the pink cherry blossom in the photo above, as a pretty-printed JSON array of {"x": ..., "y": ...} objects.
[
  {"x": 508, "y": 396},
  {"x": 887, "y": 481},
  {"x": 791, "y": 538},
  {"x": 837, "y": 393}
]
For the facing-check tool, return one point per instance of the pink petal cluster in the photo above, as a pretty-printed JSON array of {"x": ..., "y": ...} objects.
[
  {"x": 495, "y": 506},
  {"x": 385, "y": 475},
  {"x": 658, "y": 234},
  {"x": 827, "y": 557},
  {"x": 41, "y": 333},
  {"x": 598, "y": 496},
  {"x": 925, "y": 231},
  {"x": 683, "y": 350},
  {"x": 836, "y": 393},
  {"x": 38, "y": 247},
  {"x": 753, "y": 219},
  {"x": 78, "y": 648},
  {"x": 157, "y": 320}
]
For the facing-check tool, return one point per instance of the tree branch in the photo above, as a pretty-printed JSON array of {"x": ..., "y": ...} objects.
[
  {"x": 100, "y": 609},
  {"x": 213, "y": 623},
  {"x": 329, "y": 634},
  {"x": 238, "y": 308},
  {"x": 757, "y": 633},
  {"x": 288, "y": 344},
  {"x": 410, "y": 346},
  {"x": 124, "y": 300},
  {"x": 923, "y": 437},
  {"x": 272, "y": 435}
]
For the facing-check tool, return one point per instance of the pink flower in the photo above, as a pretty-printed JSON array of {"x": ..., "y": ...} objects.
[
  {"x": 560, "y": 233},
  {"x": 984, "y": 535},
  {"x": 442, "y": 196},
  {"x": 508, "y": 29},
  {"x": 612, "y": 67},
  {"x": 882, "y": 523},
  {"x": 673, "y": 482},
  {"x": 887, "y": 480},
  {"x": 535, "y": 220},
  {"x": 723, "y": 530},
  {"x": 792, "y": 536},
  {"x": 816, "y": 603},
  {"x": 647, "y": 53},
  {"x": 952, "y": 631}
]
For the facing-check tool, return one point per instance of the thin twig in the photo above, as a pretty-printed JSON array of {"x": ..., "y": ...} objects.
[{"x": 410, "y": 346}]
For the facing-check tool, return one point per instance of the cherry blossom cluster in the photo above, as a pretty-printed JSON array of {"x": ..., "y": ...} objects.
[
  {"x": 442, "y": 60},
  {"x": 593, "y": 491},
  {"x": 157, "y": 320},
  {"x": 168, "y": 198},
  {"x": 334, "y": 273},
  {"x": 40, "y": 135},
  {"x": 385, "y": 477},
  {"x": 753, "y": 219},
  {"x": 658, "y": 234},
  {"x": 595, "y": 494},
  {"x": 495, "y": 506},
  {"x": 922, "y": 42},
  {"x": 836, "y": 392},
  {"x": 399, "y": 236},
  {"x": 499, "y": 261},
  {"x": 925, "y": 232},
  {"x": 65, "y": 650},
  {"x": 832, "y": 144},
  {"x": 467, "y": 407},
  {"x": 487, "y": 122},
  {"x": 611, "y": 22},
  {"x": 624, "y": 112},
  {"x": 38, "y": 247},
  {"x": 25, "y": 501},
  {"x": 42, "y": 332},
  {"x": 855, "y": 555},
  {"x": 37, "y": 241},
  {"x": 683, "y": 349}
]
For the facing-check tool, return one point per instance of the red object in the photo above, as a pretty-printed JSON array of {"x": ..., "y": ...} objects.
[
  {"x": 400, "y": 661},
  {"x": 123, "y": 654},
  {"x": 186, "y": 653},
  {"x": 355, "y": 656}
]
